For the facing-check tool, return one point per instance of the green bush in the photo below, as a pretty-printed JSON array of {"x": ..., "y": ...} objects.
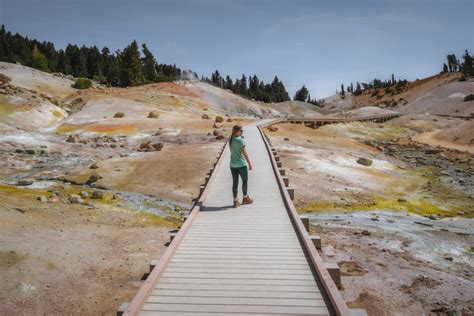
[
  {"x": 469, "y": 97},
  {"x": 82, "y": 83}
]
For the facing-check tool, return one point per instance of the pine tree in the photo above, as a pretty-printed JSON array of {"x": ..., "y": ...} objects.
[
  {"x": 358, "y": 89},
  {"x": 445, "y": 68},
  {"x": 342, "y": 90},
  {"x": 64, "y": 66},
  {"x": 216, "y": 78},
  {"x": 39, "y": 60},
  {"x": 301, "y": 94},
  {"x": 452, "y": 63},
  {"x": 228, "y": 84},
  {"x": 467, "y": 68},
  {"x": 130, "y": 73},
  {"x": 149, "y": 65}
]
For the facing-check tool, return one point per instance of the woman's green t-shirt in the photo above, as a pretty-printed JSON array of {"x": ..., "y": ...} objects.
[{"x": 237, "y": 159}]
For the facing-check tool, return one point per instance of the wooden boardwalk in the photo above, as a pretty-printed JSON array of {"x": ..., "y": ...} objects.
[{"x": 253, "y": 260}]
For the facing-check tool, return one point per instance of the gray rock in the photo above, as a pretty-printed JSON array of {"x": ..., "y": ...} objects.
[
  {"x": 97, "y": 194},
  {"x": 84, "y": 194},
  {"x": 119, "y": 115},
  {"x": 75, "y": 199},
  {"x": 93, "y": 178},
  {"x": 42, "y": 198},
  {"x": 364, "y": 161},
  {"x": 431, "y": 151},
  {"x": 25, "y": 182},
  {"x": 365, "y": 232},
  {"x": 72, "y": 139},
  {"x": 153, "y": 114}
]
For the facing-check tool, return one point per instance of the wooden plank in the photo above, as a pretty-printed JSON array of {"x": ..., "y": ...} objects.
[
  {"x": 246, "y": 265},
  {"x": 244, "y": 288},
  {"x": 268, "y": 282},
  {"x": 238, "y": 276},
  {"x": 242, "y": 293},
  {"x": 264, "y": 301},
  {"x": 309, "y": 310},
  {"x": 239, "y": 271}
]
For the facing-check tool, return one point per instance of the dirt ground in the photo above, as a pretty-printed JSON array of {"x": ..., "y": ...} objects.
[
  {"x": 401, "y": 228},
  {"x": 382, "y": 274},
  {"x": 59, "y": 258}
]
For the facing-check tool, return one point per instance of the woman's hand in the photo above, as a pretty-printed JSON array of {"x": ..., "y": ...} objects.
[{"x": 250, "y": 167}]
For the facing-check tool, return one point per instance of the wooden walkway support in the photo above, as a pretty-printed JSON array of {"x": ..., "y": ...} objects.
[
  {"x": 318, "y": 122},
  {"x": 257, "y": 259}
]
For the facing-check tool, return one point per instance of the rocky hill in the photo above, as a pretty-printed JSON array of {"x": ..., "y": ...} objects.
[{"x": 439, "y": 95}]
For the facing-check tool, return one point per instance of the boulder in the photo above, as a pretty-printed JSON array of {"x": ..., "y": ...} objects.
[
  {"x": 432, "y": 151},
  {"x": 93, "y": 178},
  {"x": 94, "y": 166},
  {"x": 216, "y": 132},
  {"x": 402, "y": 200},
  {"x": 205, "y": 116},
  {"x": 72, "y": 139},
  {"x": 42, "y": 198},
  {"x": 75, "y": 199},
  {"x": 25, "y": 182},
  {"x": 230, "y": 120},
  {"x": 148, "y": 146},
  {"x": 286, "y": 139},
  {"x": 364, "y": 161},
  {"x": 217, "y": 125},
  {"x": 273, "y": 128},
  {"x": 219, "y": 137},
  {"x": 153, "y": 114},
  {"x": 219, "y": 119},
  {"x": 97, "y": 194},
  {"x": 84, "y": 194},
  {"x": 119, "y": 115},
  {"x": 365, "y": 232}
]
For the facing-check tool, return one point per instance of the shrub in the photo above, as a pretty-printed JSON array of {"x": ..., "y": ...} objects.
[
  {"x": 469, "y": 97},
  {"x": 82, "y": 83}
]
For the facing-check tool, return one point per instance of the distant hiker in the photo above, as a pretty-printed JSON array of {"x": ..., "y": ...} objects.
[{"x": 239, "y": 160}]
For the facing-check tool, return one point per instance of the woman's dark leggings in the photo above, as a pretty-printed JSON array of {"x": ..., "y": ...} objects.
[{"x": 244, "y": 174}]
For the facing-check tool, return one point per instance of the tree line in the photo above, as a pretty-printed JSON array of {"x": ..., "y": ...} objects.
[
  {"x": 455, "y": 65},
  {"x": 127, "y": 67},
  {"x": 251, "y": 88}
]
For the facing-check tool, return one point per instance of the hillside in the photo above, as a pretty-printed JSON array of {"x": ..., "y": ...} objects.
[{"x": 440, "y": 95}]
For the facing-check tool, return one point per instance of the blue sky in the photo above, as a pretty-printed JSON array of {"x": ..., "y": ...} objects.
[{"x": 318, "y": 43}]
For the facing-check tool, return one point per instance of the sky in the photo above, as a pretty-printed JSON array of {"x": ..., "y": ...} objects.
[{"x": 317, "y": 43}]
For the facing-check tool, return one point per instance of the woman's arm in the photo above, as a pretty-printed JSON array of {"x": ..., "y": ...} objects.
[{"x": 244, "y": 152}]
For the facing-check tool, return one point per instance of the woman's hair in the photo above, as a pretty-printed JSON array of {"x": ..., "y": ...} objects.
[{"x": 235, "y": 129}]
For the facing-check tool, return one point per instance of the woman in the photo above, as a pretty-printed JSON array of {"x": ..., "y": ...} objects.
[{"x": 239, "y": 160}]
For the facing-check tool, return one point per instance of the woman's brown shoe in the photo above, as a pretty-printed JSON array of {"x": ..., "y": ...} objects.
[
  {"x": 247, "y": 200},
  {"x": 236, "y": 203}
]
